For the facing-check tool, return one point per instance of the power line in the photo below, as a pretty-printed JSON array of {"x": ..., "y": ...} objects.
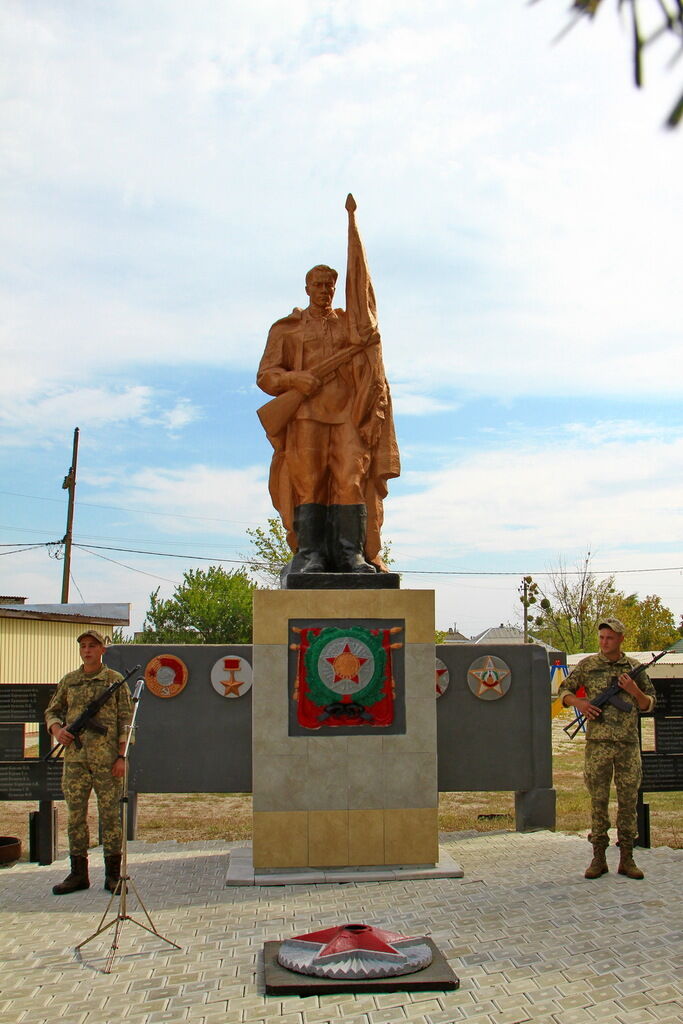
[
  {"x": 170, "y": 554},
  {"x": 124, "y": 566},
  {"x": 124, "y": 508},
  {"x": 92, "y": 548},
  {"x": 24, "y": 547},
  {"x": 411, "y": 572}
]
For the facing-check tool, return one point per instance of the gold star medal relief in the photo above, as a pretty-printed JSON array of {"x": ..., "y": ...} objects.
[
  {"x": 231, "y": 676},
  {"x": 489, "y": 678}
]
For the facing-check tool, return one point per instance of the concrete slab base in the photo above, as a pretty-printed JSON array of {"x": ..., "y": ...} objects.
[
  {"x": 241, "y": 872},
  {"x": 438, "y": 976}
]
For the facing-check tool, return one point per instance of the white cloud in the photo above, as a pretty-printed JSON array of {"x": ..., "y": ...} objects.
[
  {"x": 198, "y": 499},
  {"x": 179, "y": 415},
  {"x": 522, "y": 508},
  {"x": 172, "y": 171},
  {"x": 167, "y": 189},
  {"x": 408, "y": 402},
  {"x": 35, "y": 415},
  {"x": 553, "y": 498}
]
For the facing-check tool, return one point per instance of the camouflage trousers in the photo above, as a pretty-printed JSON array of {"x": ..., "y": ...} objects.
[
  {"x": 78, "y": 782},
  {"x": 603, "y": 759}
]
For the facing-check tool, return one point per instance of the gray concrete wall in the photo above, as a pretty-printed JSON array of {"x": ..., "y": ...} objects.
[
  {"x": 201, "y": 742},
  {"x": 196, "y": 742},
  {"x": 502, "y": 744}
]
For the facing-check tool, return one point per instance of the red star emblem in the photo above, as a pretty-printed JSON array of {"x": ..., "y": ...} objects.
[
  {"x": 354, "y": 938},
  {"x": 490, "y": 678},
  {"x": 346, "y": 665}
]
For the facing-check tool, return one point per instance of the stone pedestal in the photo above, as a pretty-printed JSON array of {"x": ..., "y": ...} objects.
[{"x": 330, "y": 797}]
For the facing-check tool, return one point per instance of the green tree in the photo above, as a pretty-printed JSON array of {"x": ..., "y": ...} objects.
[
  {"x": 573, "y": 604},
  {"x": 571, "y": 607},
  {"x": 270, "y": 551},
  {"x": 650, "y": 625},
  {"x": 208, "y": 607},
  {"x": 664, "y": 20},
  {"x": 119, "y": 637}
]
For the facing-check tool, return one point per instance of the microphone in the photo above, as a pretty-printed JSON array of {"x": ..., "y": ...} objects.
[{"x": 139, "y": 684}]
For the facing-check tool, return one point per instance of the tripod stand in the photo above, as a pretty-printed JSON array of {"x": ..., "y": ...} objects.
[{"x": 121, "y": 890}]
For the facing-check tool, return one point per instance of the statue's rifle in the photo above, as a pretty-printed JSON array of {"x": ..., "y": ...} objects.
[
  {"x": 86, "y": 719},
  {"x": 611, "y": 695},
  {"x": 276, "y": 414}
]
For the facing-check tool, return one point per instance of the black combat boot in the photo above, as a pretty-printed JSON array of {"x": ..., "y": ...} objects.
[
  {"x": 77, "y": 877},
  {"x": 310, "y": 525},
  {"x": 112, "y": 871},
  {"x": 627, "y": 865},
  {"x": 346, "y": 538},
  {"x": 598, "y": 866}
]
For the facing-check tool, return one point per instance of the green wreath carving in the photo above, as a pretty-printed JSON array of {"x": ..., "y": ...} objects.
[{"x": 319, "y": 693}]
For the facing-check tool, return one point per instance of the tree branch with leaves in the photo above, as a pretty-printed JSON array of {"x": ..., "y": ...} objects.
[
  {"x": 573, "y": 603},
  {"x": 664, "y": 21},
  {"x": 209, "y": 607}
]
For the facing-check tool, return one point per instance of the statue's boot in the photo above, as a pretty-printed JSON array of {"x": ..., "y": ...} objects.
[
  {"x": 598, "y": 866},
  {"x": 627, "y": 865},
  {"x": 346, "y": 541},
  {"x": 310, "y": 526},
  {"x": 77, "y": 877},
  {"x": 112, "y": 871}
]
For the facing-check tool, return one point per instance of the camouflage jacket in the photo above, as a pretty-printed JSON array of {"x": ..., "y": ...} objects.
[
  {"x": 72, "y": 696},
  {"x": 595, "y": 673}
]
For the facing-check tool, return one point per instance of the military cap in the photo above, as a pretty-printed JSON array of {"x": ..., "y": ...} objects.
[
  {"x": 614, "y": 624},
  {"x": 95, "y": 635}
]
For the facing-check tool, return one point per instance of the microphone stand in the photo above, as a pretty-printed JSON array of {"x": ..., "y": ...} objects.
[{"x": 121, "y": 890}]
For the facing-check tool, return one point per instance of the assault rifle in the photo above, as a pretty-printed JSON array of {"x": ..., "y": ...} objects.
[
  {"x": 611, "y": 695},
  {"x": 276, "y": 414},
  {"x": 86, "y": 718}
]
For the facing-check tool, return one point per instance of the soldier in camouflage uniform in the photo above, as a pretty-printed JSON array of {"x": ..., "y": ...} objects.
[
  {"x": 611, "y": 744},
  {"x": 98, "y": 765}
]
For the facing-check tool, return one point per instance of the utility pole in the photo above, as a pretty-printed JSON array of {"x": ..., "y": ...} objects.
[{"x": 70, "y": 486}]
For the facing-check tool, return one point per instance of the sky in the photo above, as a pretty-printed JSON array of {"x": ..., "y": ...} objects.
[{"x": 171, "y": 171}]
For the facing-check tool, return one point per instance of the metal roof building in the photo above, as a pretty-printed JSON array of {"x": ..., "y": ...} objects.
[{"x": 38, "y": 641}]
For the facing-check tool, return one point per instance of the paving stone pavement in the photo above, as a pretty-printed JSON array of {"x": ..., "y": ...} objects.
[{"x": 529, "y": 938}]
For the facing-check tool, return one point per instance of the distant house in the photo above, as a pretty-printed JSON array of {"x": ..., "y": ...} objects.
[
  {"x": 454, "y": 636},
  {"x": 38, "y": 641},
  {"x": 499, "y": 635}
]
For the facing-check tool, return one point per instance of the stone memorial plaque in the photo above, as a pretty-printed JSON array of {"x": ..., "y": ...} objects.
[
  {"x": 11, "y": 742},
  {"x": 668, "y": 735},
  {"x": 21, "y": 702},
  {"x": 347, "y": 676},
  {"x": 669, "y": 696},
  {"x": 31, "y": 780},
  {"x": 662, "y": 773}
]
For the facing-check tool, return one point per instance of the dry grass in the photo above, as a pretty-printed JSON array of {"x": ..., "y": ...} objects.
[{"x": 197, "y": 816}]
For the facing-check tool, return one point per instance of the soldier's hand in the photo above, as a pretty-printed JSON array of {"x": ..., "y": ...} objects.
[
  {"x": 118, "y": 768},
  {"x": 305, "y": 382},
  {"x": 63, "y": 736},
  {"x": 628, "y": 684},
  {"x": 588, "y": 710}
]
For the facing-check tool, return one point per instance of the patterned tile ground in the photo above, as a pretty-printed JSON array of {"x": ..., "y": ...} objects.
[{"x": 530, "y": 939}]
